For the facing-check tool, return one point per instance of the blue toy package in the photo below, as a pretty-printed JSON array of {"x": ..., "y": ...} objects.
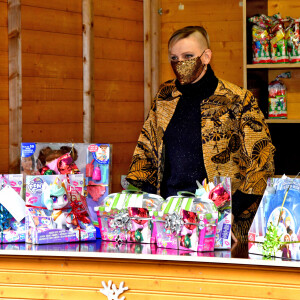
[
  {"x": 91, "y": 160},
  {"x": 280, "y": 206}
]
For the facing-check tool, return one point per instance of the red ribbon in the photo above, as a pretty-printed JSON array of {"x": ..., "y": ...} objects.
[
  {"x": 39, "y": 207},
  {"x": 78, "y": 213}
]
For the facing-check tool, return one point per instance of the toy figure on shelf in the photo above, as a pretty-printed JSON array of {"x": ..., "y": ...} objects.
[{"x": 56, "y": 200}]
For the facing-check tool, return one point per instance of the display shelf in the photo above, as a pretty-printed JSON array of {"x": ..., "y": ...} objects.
[
  {"x": 283, "y": 120},
  {"x": 258, "y": 76},
  {"x": 274, "y": 66}
]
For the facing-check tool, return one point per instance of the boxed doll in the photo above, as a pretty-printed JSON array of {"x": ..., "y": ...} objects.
[
  {"x": 12, "y": 209},
  {"x": 92, "y": 160},
  {"x": 186, "y": 222},
  {"x": 275, "y": 230},
  {"x": 127, "y": 217},
  {"x": 56, "y": 211}
]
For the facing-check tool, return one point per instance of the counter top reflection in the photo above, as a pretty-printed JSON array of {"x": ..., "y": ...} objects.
[{"x": 112, "y": 250}]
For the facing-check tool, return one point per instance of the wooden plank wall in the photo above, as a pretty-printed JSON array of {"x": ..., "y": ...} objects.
[
  {"x": 52, "y": 71},
  {"x": 3, "y": 88},
  {"x": 119, "y": 73},
  {"x": 223, "y": 21},
  {"x": 52, "y": 75}
]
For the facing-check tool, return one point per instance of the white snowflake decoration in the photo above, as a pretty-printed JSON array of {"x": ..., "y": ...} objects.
[{"x": 111, "y": 292}]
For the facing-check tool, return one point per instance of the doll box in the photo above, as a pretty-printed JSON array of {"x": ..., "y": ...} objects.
[
  {"x": 223, "y": 234},
  {"x": 280, "y": 206},
  {"x": 127, "y": 217},
  {"x": 44, "y": 223},
  {"x": 187, "y": 223},
  {"x": 92, "y": 160},
  {"x": 14, "y": 231}
]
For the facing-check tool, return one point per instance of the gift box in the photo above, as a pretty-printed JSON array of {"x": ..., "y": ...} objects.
[
  {"x": 56, "y": 211},
  {"x": 12, "y": 209},
  {"x": 275, "y": 230},
  {"x": 127, "y": 217},
  {"x": 92, "y": 160},
  {"x": 222, "y": 197},
  {"x": 186, "y": 222}
]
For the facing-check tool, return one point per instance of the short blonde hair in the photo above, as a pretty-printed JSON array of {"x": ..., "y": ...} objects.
[{"x": 187, "y": 31}]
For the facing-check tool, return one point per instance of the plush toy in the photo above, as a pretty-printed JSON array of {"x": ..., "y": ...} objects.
[{"x": 56, "y": 200}]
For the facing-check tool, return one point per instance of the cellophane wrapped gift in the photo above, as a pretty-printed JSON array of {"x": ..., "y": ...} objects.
[
  {"x": 293, "y": 40},
  {"x": 56, "y": 211},
  {"x": 275, "y": 230},
  {"x": 11, "y": 189},
  {"x": 260, "y": 39},
  {"x": 186, "y": 222},
  {"x": 92, "y": 160},
  {"x": 127, "y": 217},
  {"x": 222, "y": 197}
]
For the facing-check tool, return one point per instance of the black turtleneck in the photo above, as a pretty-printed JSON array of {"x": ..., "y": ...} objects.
[{"x": 182, "y": 140}]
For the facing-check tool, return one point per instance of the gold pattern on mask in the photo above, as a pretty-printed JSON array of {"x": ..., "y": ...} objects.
[{"x": 188, "y": 71}]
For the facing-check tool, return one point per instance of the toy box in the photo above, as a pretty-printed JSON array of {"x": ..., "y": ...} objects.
[
  {"x": 186, "y": 222},
  {"x": 127, "y": 216},
  {"x": 55, "y": 210},
  {"x": 12, "y": 209},
  {"x": 280, "y": 210},
  {"x": 223, "y": 234},
  {"x": 92, "y": 160}
]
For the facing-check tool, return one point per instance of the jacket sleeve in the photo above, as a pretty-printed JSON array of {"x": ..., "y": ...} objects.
[
  {"x": 143, "y": 169},
  {"x": 256, "y": 161}
]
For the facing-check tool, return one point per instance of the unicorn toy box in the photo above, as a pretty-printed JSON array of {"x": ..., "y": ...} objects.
[{"x": 56, "y": 211}]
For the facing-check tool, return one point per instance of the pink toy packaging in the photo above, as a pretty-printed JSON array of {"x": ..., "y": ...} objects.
[
  {"x": 56, "y": 210},
  {"x": 222, "y": 197},
  {"x": 12, "y": 209},
  {"x": 127, "y": 217},
  {"x": 186, "y": 222},
  {"x": 92, "y": 160}
]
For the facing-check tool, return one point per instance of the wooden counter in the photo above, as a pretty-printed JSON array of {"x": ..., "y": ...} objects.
[{"x": 76, "y": 271}]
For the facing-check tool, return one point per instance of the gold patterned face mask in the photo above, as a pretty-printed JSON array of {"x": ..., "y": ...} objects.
[{"x": 189, "y": 70}]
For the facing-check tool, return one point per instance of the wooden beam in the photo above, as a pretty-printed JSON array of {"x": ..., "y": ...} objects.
[
  {"x": 156, "y": 46},
  {"x": 88, "y": 70},
  {"x": 152, "y": 43},
  {"x": 15, "y": 84}
]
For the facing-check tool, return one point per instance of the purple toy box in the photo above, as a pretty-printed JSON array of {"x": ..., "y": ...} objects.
[
  {"x": 12, "y": 209},
  {"x": 127, "y": 217},
  {"x": 56, "y": 211},
  {"x": 187, "y": 223}
]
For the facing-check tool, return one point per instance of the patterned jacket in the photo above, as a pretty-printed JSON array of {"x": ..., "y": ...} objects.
[{"x": 235, "y": 139}]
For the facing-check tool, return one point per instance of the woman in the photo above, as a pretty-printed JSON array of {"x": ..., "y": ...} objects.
[
  {"x": 28, "y": 165},
  {"x": 199, "y": 127}
]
